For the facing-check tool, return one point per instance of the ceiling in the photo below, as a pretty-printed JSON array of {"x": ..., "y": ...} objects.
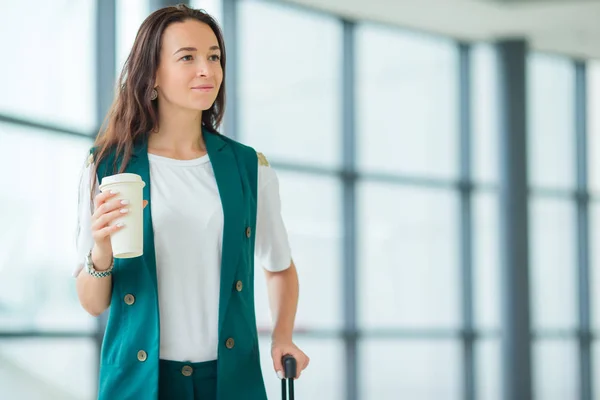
[{"x": 568, "y": 27}]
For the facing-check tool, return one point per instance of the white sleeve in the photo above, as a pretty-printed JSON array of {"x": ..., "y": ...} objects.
[
  {"x": 85, "y": 240},
  {"x": 272, "y": 248}
]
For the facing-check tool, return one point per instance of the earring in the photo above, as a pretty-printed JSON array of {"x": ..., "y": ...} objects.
[{"x": 154, "y": 94}]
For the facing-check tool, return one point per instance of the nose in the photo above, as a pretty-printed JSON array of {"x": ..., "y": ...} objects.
[{"x": 202, "y": 69}]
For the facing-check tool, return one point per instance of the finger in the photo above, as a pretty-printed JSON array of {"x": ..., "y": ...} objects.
[
  {"x": 145, "y": 203},
  {"x": 306, "y": 361},
  {"x": 103, "y": 197},
  {"x": 303, "y": 363},
  {"x": 105, "y": 219},
  {"x": 104, "y": 232},
  {"x": 277, "y": 366},
  {"x": 109, "y": 206},
  {"x": 300, "y": 366}
]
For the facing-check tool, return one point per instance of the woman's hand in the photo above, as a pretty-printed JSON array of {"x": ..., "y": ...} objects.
[
  {"x": 281, "y": 348},
  {"x": 106, "y": 209}
]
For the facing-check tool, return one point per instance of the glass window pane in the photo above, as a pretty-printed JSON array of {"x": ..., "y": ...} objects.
[
  {"x": 324, "y": 377},
  {"x": 415, "y": 370},
  {"x": 486, "y": 263},
  {"x": 489, "y": 370},
  {"x": 48, "y": 369},
  {"x": 551, "y": 104},
  {"x": 407, "y": 102},
  {"x": 290, "y": 105},
  {"x": 595, "y": 263},
  {"x": 311, "y": 212},
  {"x": 36, "y": 287},
  {"x": 130, "y": 15},
  {"x": 555, "y": 370},
  {"x": 553, "y": 263},
  {"x": 50, "y": 77},
  {"x": 408, "y": 257},
  {"x": 596, "y": 367},
  {"x": 593, "y": 90},
  {"x": 484, "y": 113}
]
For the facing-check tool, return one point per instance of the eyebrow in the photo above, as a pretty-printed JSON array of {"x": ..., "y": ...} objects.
[{"x": 195, "y": 49}]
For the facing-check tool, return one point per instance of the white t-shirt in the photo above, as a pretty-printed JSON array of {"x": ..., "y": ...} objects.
[{"x": 187, "y": 218}]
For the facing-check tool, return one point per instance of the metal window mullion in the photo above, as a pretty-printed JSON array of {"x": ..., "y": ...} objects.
[
  {"x": 349, "y": 182},
  {"x": 514, "y": 220},
  {"x": 43, "y": 126},
  {"x": 230, "y": 33},
  {"x": 466, "y": 225},
  {"x": 583, "y": 246}
]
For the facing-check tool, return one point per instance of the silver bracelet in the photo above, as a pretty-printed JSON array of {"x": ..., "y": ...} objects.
[{"x": 89, "y": 265}]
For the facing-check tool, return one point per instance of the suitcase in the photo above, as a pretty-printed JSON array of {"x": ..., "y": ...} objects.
[{"x": 289, "y": 372}]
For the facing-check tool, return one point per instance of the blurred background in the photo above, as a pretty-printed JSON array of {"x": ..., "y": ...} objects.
[{"x": 439, "y": 174}]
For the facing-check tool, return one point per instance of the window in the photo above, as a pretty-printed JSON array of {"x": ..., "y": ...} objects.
[
  {"x": 595, "y": 263},
  {"x": 555, "y": 370},
  {"x": 488, "y": 369},
  {"x": 484, "y": 113},
  {"x": 37, "y": 291},
  {"x": 408, "y": 257},
  {"x": 130, "y": 15},
  {"x": 53, "y": 369},
  {"x": 593, "y": 106},
  {"x": 407, "y": 103},
  {"x": 551, "y": 120},
  {"x": 51, "y": 74},
  {"x": 553, "y": 263},
  {"x": 485, "y": 203},
  {"x": 416, "y": 369},
  {"x": 289, "y": 93},
  {"x": 593, "y": 90},
  {"x": 486, "y": 260}
]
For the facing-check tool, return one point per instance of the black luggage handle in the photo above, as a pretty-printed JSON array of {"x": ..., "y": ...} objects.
[{"x": 289, "y": 373}]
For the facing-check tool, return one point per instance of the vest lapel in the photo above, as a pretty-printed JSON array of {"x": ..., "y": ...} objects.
[
  {"x": 140, "y": 165},
  {"x": 227, "y": 175}
]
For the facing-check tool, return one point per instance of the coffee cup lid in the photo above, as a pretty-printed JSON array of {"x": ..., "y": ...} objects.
[{"x": 122, "y": 178}]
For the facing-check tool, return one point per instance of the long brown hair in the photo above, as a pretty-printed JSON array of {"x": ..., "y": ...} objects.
[{"x": 133, "y": 115}]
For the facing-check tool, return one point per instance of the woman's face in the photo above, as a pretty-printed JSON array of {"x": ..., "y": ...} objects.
[{"x": 189, "y": 74}]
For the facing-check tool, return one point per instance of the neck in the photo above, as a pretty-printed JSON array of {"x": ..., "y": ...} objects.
[{"x": 179, "y": 130}]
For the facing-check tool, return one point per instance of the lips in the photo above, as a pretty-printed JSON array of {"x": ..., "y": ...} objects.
[{"x": 203, "y": 87}]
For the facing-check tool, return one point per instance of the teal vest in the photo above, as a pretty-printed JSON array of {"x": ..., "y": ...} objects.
[{"x": 130, "y": 349}]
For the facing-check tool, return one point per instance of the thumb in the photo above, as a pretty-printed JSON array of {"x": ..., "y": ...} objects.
[
  {"x": 277, "y": 354},
  {"x": 145, "y": 203}
]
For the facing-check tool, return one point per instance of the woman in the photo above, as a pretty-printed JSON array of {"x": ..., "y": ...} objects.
[{"x": 181, "y": 322}]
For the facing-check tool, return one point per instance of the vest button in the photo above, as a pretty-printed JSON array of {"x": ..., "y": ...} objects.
[
  {"x": 239, "y": 286},
  {"x": 142, "y": 356},
  {"x": 230, "y": 343},
  {"x": 187, "y": 370},
  {"x": 129, "y": 299},
  {"x": 248, "y": 232}
]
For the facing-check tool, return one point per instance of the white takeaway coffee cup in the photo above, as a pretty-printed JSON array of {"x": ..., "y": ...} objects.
[{"x": 127, "y": 242}]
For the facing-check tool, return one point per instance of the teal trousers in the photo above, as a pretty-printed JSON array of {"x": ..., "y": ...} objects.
[{"x": 187, "y": 381}]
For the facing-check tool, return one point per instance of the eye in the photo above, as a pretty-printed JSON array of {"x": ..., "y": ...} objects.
[
  {"x": 186, "y": 58},
  {"x": 214, "y": 57}
]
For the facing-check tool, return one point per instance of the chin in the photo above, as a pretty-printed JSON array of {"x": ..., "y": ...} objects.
[
  {"x": 200, "y": 106},
  {"x": 202, "y": 101}
]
